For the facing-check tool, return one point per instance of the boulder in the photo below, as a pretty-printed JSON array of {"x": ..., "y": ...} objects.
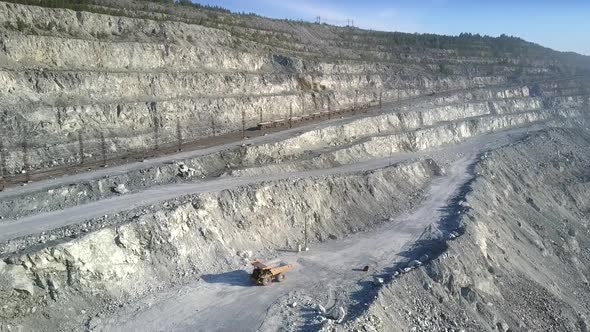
[
  {"x": 246, "y": 254},
  {"x": 120, "y": 189},
  {"x": 15, "y": 277},
  {"x": 503, "y": 327},
  {"x": 337, "y": 315},
  {"x": 320, "y": 308},
  {"x": 185, "y": 171}
]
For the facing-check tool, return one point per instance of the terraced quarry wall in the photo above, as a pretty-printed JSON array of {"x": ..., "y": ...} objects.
[
  {"x": 122, "y": 84},
  {"x": 187, "y": 239},
  {"x": 473, "y": 151},
  {"x": 355, "y": 140}
]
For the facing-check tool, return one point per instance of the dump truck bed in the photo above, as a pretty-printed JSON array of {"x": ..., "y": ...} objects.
[{"x": 264, "y": 274}]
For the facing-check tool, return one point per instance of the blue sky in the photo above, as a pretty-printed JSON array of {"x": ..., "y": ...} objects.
[{"x": 562, "y": 25}]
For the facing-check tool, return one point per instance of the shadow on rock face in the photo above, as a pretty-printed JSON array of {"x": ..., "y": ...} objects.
[{"x": 233, "y": 278}]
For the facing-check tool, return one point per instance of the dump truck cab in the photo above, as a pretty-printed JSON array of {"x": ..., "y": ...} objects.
[{"x": 264, "y": 274}]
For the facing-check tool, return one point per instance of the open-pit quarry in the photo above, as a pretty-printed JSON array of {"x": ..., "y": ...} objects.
[{"x": 150, "y": 152}]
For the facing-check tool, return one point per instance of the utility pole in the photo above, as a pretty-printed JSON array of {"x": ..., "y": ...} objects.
[
  {"x": 356, "y": 95},
  {"x": 291, "y": 115},
  {"x": 315, "y": 104},
  {"x": 81, "y": 146},
  {"x": 26, "y": 159},
  {"x": 305, "y": 248},
  {"x": 329, "y": 108},
  {"x": 213, "y": 125},
  {"x": 243, "y": 123},
  {"x": 260, "y": 113},
  {"x": 156, "y": 133},
  {"x": 302, "y": 104},
  {"x": 2, "y": 160},
  {"x": 179, "y": 134},
  {"x": 103, "y": 148}
]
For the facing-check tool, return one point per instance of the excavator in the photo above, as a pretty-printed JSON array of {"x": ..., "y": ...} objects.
[{"x": 265, "y": 274}]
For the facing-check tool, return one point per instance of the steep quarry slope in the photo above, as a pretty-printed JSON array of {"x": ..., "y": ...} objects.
[
  {"x": 455, "y": 142},
  {"x": 522, "y": 263},
  {"x": 96, "y": 267},
  {"x": 194, "y": 236},
  {"x": 429, "y": 124},
  {"x": 146, "y": 75}
]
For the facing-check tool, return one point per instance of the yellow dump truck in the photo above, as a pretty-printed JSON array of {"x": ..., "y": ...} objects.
[{"x": 265, "y": 274}]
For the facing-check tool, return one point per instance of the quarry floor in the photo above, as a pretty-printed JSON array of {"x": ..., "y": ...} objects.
[{"x": 230, "y": 302}]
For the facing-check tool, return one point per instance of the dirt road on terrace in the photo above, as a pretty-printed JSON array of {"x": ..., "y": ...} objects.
[
  {"x": 34, "y": 224},
  {"x": 228, "y": 301},
  {"x": 261, "y": 137}
]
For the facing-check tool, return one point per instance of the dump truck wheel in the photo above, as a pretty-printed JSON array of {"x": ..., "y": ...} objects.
[
  {"x": 280, "y": 277},
  {"x": 266, "y": 281}
]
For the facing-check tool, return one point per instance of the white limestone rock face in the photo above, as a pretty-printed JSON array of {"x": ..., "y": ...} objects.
[
  {"x": 14, "y": 277},
  {"x": 157, "y": 248},
  {"x": 506, "y": 270},
  {"x": 63, "y": 72}
]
